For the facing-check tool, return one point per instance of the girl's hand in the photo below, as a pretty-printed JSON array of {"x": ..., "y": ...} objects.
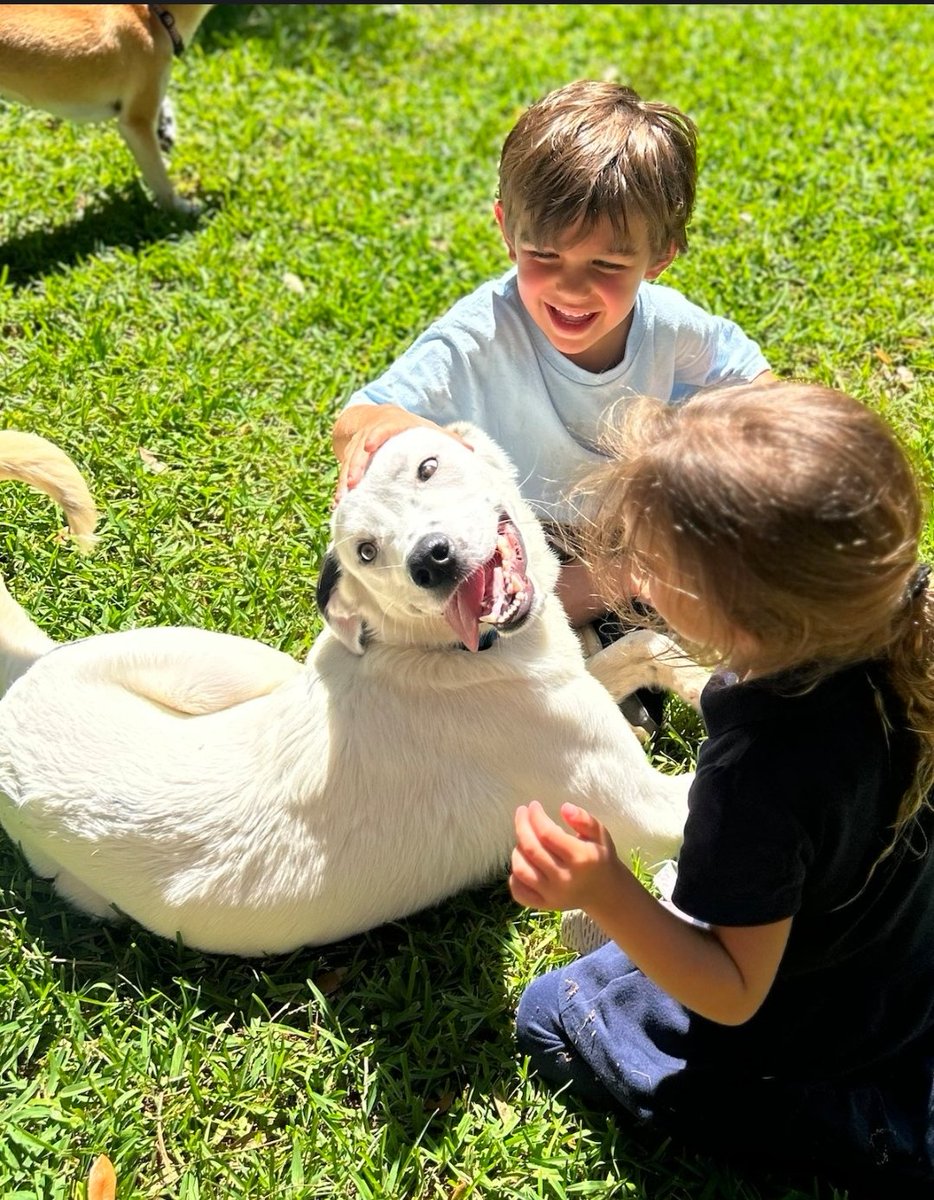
[
  {"x": 721, "y": 972},
  {"x": 552, "y": 868}
]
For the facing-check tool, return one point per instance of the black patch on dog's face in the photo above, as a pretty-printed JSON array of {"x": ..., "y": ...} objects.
[{"x": 328, "y": 579}]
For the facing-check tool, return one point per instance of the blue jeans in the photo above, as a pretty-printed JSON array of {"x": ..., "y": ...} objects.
[{"x": 604, "y": 1032}]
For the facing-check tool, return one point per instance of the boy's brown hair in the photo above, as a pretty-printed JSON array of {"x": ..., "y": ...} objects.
[{"x": 591, "y": 150}]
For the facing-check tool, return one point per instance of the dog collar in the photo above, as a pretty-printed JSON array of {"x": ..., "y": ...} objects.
[{"x": 168, "y": 23}]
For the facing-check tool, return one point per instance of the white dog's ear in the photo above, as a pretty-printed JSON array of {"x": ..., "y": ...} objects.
[
  {"x": 484, "y": 446},
  {"x": 335, "y": 606}
]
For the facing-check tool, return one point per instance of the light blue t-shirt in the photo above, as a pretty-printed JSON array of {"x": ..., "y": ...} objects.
[{"x": 486, "y": 361}]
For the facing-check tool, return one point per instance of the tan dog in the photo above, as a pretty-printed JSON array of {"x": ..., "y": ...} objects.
[{"x": 94, "y": 62}]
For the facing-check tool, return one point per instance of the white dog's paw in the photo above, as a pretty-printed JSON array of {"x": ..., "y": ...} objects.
[
  {"x": 185, "y": 208},
  {"x": 647, "y": 658}
]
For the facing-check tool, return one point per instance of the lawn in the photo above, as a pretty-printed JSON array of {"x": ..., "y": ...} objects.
[{"x": 345, "y": 160}]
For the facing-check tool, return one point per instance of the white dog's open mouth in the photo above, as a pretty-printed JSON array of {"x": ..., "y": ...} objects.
[{"x": 498, "y": 593}]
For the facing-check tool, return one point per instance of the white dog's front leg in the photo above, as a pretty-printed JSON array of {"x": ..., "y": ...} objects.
[{"x": 646, "y": 658}]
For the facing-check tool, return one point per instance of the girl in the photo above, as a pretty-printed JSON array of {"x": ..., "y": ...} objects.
[{"x": 776, "y": 527}]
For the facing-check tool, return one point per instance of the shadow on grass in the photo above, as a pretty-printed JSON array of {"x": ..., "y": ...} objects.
[
  {"x": 397, "y": 985},
  {"x": 425, "y": 999},
  {"x": 291, "y": 29},
  {"x": 129, "y": 219}
]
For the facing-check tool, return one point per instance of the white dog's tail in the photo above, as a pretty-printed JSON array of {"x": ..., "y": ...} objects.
[{"x": 43, "y": 466}]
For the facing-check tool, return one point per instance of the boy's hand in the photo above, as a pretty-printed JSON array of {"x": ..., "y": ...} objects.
[
  {"x": 361, "y": 430},
  {"x": 552, "y": 868}
]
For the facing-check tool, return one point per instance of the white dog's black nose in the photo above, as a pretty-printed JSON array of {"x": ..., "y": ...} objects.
[{"x": 432, "y": 563}]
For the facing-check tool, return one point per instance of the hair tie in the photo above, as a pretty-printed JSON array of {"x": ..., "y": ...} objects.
[{"x": 917, "y": 584}]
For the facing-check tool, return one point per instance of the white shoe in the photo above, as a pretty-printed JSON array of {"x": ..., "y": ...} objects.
[{"x": 581, "y": 933}]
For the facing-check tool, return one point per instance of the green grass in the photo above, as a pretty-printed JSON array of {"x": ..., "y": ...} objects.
[{"x": 346, "y": 160}]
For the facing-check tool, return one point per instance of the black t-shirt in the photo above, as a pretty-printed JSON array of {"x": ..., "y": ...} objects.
[{"x": 792, "y": 804}]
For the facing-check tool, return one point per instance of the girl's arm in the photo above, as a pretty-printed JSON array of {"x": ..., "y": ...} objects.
[{"x": 722, "y": 973}]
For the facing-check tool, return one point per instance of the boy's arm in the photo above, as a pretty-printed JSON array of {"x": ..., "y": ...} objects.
[{"x": 358, "y": 433}]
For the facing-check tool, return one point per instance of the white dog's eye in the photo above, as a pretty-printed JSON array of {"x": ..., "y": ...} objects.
[
  {"x": 366, "y": 551},
  {"x": 427, "y": 468}
]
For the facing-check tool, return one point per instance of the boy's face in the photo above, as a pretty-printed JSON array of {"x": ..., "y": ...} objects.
[{"x": 581, "y": 294}]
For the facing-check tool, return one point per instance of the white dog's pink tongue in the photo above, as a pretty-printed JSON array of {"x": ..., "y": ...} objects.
[{"x": 462, "y": 612}]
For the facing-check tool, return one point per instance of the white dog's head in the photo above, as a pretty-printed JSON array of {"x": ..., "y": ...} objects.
[{"x": 434, "y": 542}]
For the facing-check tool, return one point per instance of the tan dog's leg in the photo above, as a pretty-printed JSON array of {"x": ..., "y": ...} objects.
[
  {"x": 589, "y": 640},
  {"x": 165, "y": 126},
  {"x": 139, "y": 125}
]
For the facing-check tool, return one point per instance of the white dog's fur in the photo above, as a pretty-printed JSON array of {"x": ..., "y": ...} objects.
[
  {"x": 213, "y": 788},
  {"x": 98, "y": 62}
]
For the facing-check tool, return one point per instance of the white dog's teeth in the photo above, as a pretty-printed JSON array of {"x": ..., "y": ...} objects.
[{"x": 506, "y": 614}]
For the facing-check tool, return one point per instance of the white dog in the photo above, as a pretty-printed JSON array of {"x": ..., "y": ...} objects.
[
  {"x": 214, "y": 789},
  {"x": 99, "y": 62}
]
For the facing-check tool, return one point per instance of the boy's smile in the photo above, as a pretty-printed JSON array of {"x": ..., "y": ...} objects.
[
  {"x": 581, "y": 294},
  {"x": 571, "y": 321}
]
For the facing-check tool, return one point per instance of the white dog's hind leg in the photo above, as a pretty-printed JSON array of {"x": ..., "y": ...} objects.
[
  {"x": 188, "y": 670},
  {"x": 646, "y": 658},
  {"x": 39, "y": 862},
  {"x": 45, "y": 867},
  {"x": 212, "y": 686}
]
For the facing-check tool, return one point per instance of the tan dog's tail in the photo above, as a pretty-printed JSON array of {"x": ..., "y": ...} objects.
[
  {"x": 39, "y": 463},
  {"x": 43, "y": 466}
]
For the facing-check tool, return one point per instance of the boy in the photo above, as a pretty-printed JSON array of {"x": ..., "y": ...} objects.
[{"x": 596, "y": 188}]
